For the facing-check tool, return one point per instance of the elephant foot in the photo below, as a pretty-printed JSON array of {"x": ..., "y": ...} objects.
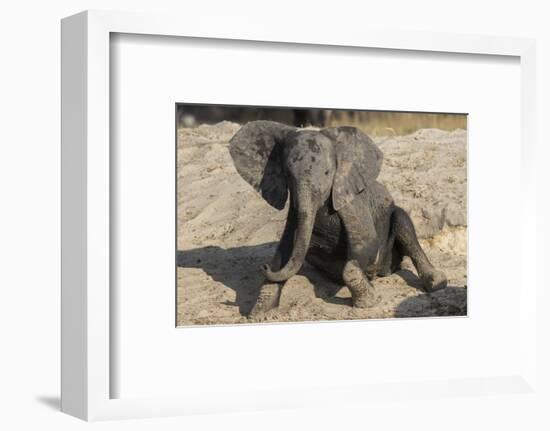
[
  {"x": 371, "y": 272},
  {"x": 433, "y": 281},
  {"x": 268, "y": 299},
  {"x": 362, "y": 292},
  {"x": 365, "y": 299}
]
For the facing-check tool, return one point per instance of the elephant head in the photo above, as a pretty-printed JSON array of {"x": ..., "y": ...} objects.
[{"x": 329, "y": 166}]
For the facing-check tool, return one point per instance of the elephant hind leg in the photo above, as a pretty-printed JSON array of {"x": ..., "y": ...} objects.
[
  {"x": 396, "y": 259},
  {"x": 406, "y": 243},
  {"x": 392, "y": 257}
]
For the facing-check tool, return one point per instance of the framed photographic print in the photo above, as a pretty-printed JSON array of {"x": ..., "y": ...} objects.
[
  {"x": 414, "y": 189},
  {"x": 241, "y": 201}
]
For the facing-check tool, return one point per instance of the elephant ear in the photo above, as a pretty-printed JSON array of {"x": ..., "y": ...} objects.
[
  {"x": 358, "y": 163},
  {"x": 256, "y": 150}
]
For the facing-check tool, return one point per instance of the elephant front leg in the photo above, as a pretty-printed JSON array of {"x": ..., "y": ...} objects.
[
  {"x": 270, "y": 293},
  {"x": 363, "y": 250},
  {"x": 362, "y": 291},
  {"x": 268, "y": 299},
  {"x": 363, "y": 243}
]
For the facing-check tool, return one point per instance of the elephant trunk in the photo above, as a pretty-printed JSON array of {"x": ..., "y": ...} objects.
[{"x": 306, "y": 219}]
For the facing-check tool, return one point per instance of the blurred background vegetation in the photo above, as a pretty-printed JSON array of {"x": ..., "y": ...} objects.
[{"x": 374, "y": 123}]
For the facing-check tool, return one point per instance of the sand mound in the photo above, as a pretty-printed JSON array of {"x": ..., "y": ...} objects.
[
  {"x": 426, "y": 174},
  {"x": 226, "y": 231}
]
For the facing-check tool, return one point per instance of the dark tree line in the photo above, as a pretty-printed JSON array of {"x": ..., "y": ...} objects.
[{"x": 194, "y": 115}]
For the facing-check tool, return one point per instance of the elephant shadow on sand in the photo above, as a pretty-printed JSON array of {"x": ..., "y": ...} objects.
[
  {"x": 234, "y": 268},
  {"x": 450, "y": 301}
]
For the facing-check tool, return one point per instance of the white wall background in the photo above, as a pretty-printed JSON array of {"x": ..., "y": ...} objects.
[{"x": 30, "y": 184}]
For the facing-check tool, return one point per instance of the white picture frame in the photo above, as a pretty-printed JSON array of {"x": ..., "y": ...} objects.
[{"x": 86, "y": 312}]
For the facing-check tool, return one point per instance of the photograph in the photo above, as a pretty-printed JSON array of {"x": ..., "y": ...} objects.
[
  {"x": 234, "y": 203},
  {"x": 292, "y": 214}
]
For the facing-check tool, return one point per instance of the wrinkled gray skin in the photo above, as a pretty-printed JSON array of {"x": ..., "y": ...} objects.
[{"x": 340, "y": 219}]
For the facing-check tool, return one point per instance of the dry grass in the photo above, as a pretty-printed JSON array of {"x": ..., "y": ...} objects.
[{"x": 383, "y": 123}]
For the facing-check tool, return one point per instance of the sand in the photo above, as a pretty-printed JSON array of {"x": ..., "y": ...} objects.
[{"x": 226, "y": 231}]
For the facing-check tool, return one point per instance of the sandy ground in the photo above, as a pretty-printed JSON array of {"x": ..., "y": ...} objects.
[{"x": 226, "y": 231}]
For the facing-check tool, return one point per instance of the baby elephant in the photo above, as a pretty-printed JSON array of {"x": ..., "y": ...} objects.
[{"x": 340, "y": 218}]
